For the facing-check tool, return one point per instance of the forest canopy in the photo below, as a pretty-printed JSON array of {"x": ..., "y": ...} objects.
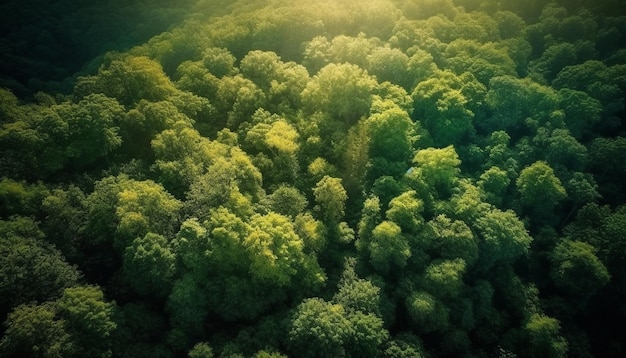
[{"x": 273, "y": 178}]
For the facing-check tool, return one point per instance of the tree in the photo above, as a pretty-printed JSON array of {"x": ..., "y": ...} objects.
[
  {"x": 539, "y": 189},
  {"x": 388, "y": 247},
  {"x": 118, "y": 211},
  {"x": 201, "y": 350},
  {"x": 35, "y": 331},
  {"x": 219, "y": 62},
  {"x": 149, "y": 265},
  {"x": 544, "y": 338},
  {"x": 582, "y": 111},
  {"x": 128, "y": 79},
  {"x": 553, "y": 59},
  {"x": 276, "y": 253},
  {"x": 90, "y": 320},
  {"x": 92, "y": 128},
  {"x": 330, "y": 197},
  {"x": 368, "y": 335},
  {"x": 390, "y": 138},
  {"x": 281, "y": 82},
  {"x": 452, "y": 240},
  {"x": 563, "y": 150},
  {"x": 442, "y": 104},
  {"x": 181, "y": 156},
  {"x": 240, "y": 98},
  {"x": 220, "y": 186},
  {"x": 596, "y": 79},
  {"x": 392, "y": 65},
  {"x": 427, "y": 312},
  {"x": 356, "y": 294},
  {"x": 511, "y": 100},
  {"x": 404, "y": 346},
  {"x": 30, "y": 269},
  {"x": 577, "y": 270},
  {"x": 144, "y": 207},
  {"x": 343, "y": 92},
  {"x": 19, "y": 198},
  {"x": 494, "y": 183},
  {"x": 187, "y": 307},
  {"x": 324, "y": 329},
  {"x": 605, "y": 163},
  {"x": 71, "y": 135},
  {"x": 509, "y": 24},
  {"x": 318, "y": 329},
  {"x": 444, "y": 279},
  {"x": 350, "y": 49},
  {"x": 503, "y": 238},
  {"x": 438, "y": 168},
  {"x": 65, "y": 214},
  {"x": 405, "y": 210},
  {"x": 484, "y": 61},
  {"x": 287, "y": 200}
]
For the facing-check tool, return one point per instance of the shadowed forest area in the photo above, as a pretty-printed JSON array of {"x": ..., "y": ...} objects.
[{"x": 297, "y": 178}]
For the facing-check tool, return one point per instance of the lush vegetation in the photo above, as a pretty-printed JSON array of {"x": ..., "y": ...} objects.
[{"x": 296, "y": 178}]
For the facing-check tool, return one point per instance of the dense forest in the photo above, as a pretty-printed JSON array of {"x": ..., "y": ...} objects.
[{"x": 298, "y": 178}]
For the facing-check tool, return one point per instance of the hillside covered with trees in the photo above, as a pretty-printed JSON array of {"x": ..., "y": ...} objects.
[{"x": 297, "y": 178}]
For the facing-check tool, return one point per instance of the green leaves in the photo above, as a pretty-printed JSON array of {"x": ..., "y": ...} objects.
[
  {"x": 30, "y": 269},
  {"x": 80, "y": 323},
  {"x": 438, "y": 168},
  {"x": 331, "y": 197},
  {"x": 544, "y": 337},
  {"x": 90, "y": 319},
  {"x": 577, "y": 270},
  {"x": 149, "y": 265},
  {"x": 274, "y": 248},
  {"x": 504, "y": 237},
  {"x": 539, "y": 188},
  {"x": 388, "y": 248},
  {"x": 33, "y": 331},
  {"x": 343, "y": 92},
  {"x": 348, "y": 326},
  {"x": 319, "y": 329},
  {"x": 214, "y": 180}
]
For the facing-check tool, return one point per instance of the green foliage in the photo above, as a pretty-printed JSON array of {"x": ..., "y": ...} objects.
[
  {"x": 149, "y": 265},
  {"x": 503, "y": 237},
  {"x": 287, "y": 200},
  {"x": 405, "y": 210},
  {"x": 274, "y": 248},
  {"x": 428, "y": 313},
  {"x": 90, "y": 320},
  {"x": 444, "y": 279},
  {"x": 330, "y": 179},
  {"x": 33, "y": 331},
  {"x": 121, "y": 209},
  {"x": 577, "y": 270},
  {"x": 441, "y": 103},
  {"x": 31, "y": 270},
  {"x": 539, "y": 188},
  {"x": 390, "y": 140},
  {"x": 319, "y": 329},
  {"x": 453, "y": 240},
  {"x": 331, "y": 197},
  {"x": 343, "y": 92},
  {"x": 513, "y": 100},
  {"x": 388, "y": 248},
  {"x": 128, "y": 79},
  {"x": 201, "y": 350},
  {"x": 19, "y": 198},
  {"x": 78, "y": 323},
  {"x": 544, "y": 338},
  {"x": 438, "y": 168}
]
